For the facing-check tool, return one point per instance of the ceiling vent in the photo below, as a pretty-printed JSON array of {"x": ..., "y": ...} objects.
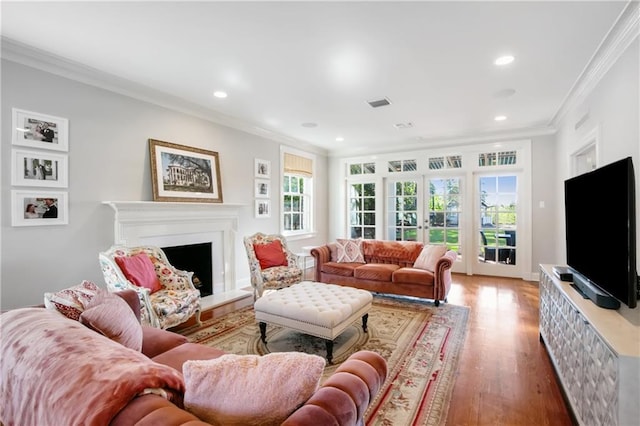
[
  {"x": 376, "y": 103},
  {"x": 407, "y": 125}
]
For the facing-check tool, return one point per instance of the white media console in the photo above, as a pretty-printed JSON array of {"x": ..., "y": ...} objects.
[{"x": 595, "y": 352}]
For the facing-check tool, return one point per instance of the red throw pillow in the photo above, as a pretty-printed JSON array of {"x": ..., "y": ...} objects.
[
  {"x": 140, "y": 271},
  {"x": 270, "y": 254}
]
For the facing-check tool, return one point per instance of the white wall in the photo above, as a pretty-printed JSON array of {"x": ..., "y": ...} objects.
[
  {"x": 109, "y": 160},
  {"x": 613, "y": 107}
]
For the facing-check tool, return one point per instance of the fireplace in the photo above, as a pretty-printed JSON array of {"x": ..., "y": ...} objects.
[
  {"x": 196, "y": 258},
  {"x": 165, "y": 225}
]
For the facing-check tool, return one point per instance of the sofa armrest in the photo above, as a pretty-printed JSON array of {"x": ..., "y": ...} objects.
[
  {"x": 442, "y": 275},
  {"x": 321, "y": 255},
  {"x": 156, "y": 341},
  {"x": 345, "y": 396}
]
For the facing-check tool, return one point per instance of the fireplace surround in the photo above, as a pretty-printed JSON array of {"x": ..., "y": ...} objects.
[{"x": 167, "y": 224}]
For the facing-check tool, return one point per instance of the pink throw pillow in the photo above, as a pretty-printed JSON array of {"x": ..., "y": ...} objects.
[
  {"x": 270, "y": 254},
  {"x": 250, "y": 389},
  {"x": 112, "y": 317},
  {"x": 349, "y": 251},
  {"x": 429, "y": 256},
  {"x": 140, "y": 271}
]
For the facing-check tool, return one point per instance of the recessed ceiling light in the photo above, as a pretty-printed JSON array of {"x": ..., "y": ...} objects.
[
  {"x": 220, "y": 94},
  {"x": 339, "y": 139},
  {"x": 504, "y": 60},
  {"x": 500, "y": 117},
  {"x": 310, "y": 125}
]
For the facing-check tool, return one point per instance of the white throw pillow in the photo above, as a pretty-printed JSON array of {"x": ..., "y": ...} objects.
[
  {"x": 250, "y": 389},
  {"x": 349, "y": 251},
  {"x": 429, "y": 256}
]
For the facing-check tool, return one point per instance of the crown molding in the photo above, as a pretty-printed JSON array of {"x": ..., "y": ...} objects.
[
  {"x": 625, "y": 30},
  {"x": 24, "y": 54}
]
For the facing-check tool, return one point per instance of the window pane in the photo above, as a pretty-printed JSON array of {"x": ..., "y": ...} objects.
[
  {"x": 356, "y": 204},
  {"x": 370, "y": 233},
  {"x": 369, "y": 204},
  {"x": 294, "y": 184},
  {"x": 436, "y": 236},
  {"x": 355, "y": 169},
  {"x": 409, "y": 166},
  {"x": 356, "y": 219},
  {"x": 395, "y": 166},
  {"x": 287, "y": 222},
  {"x": 369, "y": 168},
  {"x": 436, "y": 163},
  {"x": 356, "y": 190},
  {"x": 398, "y": 188},
  {"x": 356, "y": 232},
  {"x": 410, "y": 203},
  {"x": 296, "y": 221},
  {"x": 454, "y": 161},
  {"x": 369, "y": 218},
  {"x": 287, "y": 203},
  {"x": 286, "y": 184},
  {"x": 295, "y": 204},
  {"x": 369, "y": 190}
]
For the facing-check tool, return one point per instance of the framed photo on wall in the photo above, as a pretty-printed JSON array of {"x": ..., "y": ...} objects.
[
  {"x": 38, "y": 130},
  {"x": 183, "y": 173},
  {"x": 39, "y": 208},
  {"x": 39, "y": 168},
  {"x": 262, "y": 168},
  {"x": 263, "y": 208},
  {"x": 262, "y": 188}
]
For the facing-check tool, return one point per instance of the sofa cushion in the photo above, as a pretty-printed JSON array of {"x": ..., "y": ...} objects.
[
  {"x": 251, "y": 389},
  {"x": 413, "y": 276},
  {"x": 399, "y": 252},
  {"x": 349, "y": 251},
  {"x": 140, "y": 271},
  {"x": 341, "y": 269},
  {"x": 156, "y": 341},
  {"x": 375, "y": 271},
  {"x": 72, "y": 301},
  {"x": 112, "y": 317},
  {"x": 428, "y": 258},
  {"x": 270, "y": 254}
]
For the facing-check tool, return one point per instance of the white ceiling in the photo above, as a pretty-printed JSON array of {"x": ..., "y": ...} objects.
[{"x": 288, "y": 63}]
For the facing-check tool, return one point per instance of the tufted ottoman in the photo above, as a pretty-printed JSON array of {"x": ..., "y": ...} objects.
[{"x": 318, "y": 309}]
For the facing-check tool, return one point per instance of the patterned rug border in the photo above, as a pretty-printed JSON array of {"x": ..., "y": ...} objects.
[{"x": 422, "y": 366}]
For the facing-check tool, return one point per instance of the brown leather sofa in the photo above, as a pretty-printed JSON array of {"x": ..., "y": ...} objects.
[
  {"x": 341, "y": 400},
  {"x": 387, "y": 268}
]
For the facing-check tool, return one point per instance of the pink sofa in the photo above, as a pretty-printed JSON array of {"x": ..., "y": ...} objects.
[
  {"x": 44, "y": 387},
  {"x": 387, "y": 268}
]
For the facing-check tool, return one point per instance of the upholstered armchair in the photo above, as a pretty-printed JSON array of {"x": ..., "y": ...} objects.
[
  {"x": 167, "y": 295},
  {"x": 271, "y": 264}
]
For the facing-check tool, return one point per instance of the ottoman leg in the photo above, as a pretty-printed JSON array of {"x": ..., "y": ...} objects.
[
  {"x": 365, "y": 317},
  {"x": 263, "y": 331},
  {"x": 329, "y": 344}
]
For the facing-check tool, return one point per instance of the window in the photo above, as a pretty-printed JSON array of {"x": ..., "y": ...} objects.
[
  {"x": 402, "y": 166},
  {"x": 362, "y": 210},
  {"x": 362, "y": 168},
  {"x": 297, "y": 194},
  {"x": 497, "y": 159}
]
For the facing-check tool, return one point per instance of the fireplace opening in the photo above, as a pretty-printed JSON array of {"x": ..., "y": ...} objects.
[{"x": 196, "y": 258}]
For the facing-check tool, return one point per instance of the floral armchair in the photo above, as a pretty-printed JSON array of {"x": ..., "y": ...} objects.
[
  {"x": 173, "y": 300},
  {"x": 271, "y": 271}
]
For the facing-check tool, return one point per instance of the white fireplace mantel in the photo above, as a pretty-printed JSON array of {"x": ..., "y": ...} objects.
[{"x": 162, "y": 223}]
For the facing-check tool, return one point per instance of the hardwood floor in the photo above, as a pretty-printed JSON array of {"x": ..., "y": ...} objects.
[{"x": 505, "y": 376}]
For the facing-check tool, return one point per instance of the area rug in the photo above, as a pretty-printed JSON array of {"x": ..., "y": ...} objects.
[{"x": 420, "y": 342}]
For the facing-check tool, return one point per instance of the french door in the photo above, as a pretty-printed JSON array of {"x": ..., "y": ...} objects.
[{"x": 496, "y": 225}]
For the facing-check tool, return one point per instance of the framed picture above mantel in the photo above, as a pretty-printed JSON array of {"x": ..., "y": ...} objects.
[{"x": 183, "y": 173}]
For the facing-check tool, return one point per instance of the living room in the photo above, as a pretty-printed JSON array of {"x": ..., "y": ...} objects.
[
  {"x": 109, "y": 117},
  {"x": 111, "y": 121}
]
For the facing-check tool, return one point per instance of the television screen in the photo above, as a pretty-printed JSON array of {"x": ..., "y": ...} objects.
[{"x": 600, "y": 228}]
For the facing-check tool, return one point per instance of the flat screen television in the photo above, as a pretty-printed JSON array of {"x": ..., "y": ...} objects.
[{"x": 601, "y": 234}]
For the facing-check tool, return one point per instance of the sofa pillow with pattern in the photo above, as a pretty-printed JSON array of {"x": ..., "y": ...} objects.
[
  {"x": 349, "y": 251},
  {"x": 72, "y": 301}
]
